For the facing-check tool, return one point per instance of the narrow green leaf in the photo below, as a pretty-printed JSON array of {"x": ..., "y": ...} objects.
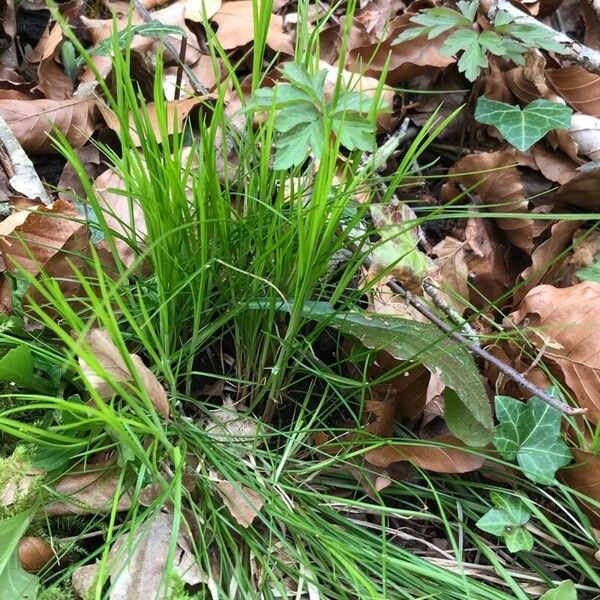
[{"x": 523, "y": 128}]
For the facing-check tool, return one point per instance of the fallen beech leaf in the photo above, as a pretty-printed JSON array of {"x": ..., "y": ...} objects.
[
  {"x": 177, "y": 113},
  {"x": 583, "y": 477},
  {"x": 578, "y": 87},
  {"x": 33, "y": 122},
  {"x": 565, "y": 325},
  {"x": 585, "y": 132},
  {"x": 236, "y": 27},
  {"x": 498, "y": 183},
  {"x": 581, "y": 191},
  {"x": 452, "y": 271},
  {"x": 34, "y": 553},
  {"x": 428, "y": 456},
  {"x": 243, "y": 503},
  {"x": 113, "y": 364},
  {"x": 138, "y": 566},
  {"x": 87, "y": 493},
  {"x": 404, "y": 61},
  {"x": 52, "y": 81},
  {"x": 122, "y": 214}
]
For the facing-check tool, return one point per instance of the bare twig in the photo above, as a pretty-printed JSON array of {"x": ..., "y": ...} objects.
[
  {"x": 587, "y": 57},
  {"x": 25, "y": 179},
  {"x": 502, "y": 367},
  {"x": 171, "y": 51}
]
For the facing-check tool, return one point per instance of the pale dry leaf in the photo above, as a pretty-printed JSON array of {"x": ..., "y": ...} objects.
[
  {"x": 428, "y": 456},
  {"x": 114, "y": 370},
  {"x": 228, "y": 425},
  {"x": 585, "y": 133},
  {"x": 564, "y": 323},
  {"x": 236, "y": 28},
  {"x": 83, "y": 580},
  {"x": 452, "y": 271},
  {"x": 199, "y": 10},
  {"x": 122, "y": 214},
  {"x": 138, "y": 566},
  {"x": 243, "y": 503},
  {"x": 33, "y": 122}
]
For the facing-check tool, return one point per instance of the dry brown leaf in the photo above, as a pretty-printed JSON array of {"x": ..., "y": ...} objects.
[
  {"x": 585, "y": 133},
  {"x": 581, "y": 191},
  {"x": 501, "y": 187},
  {"x": 584, "y": 476},
  {"x": 118, "y": 211},
  {"x": 53, "y": 238},
  {"x": 243, "y": 503},
  {"x": 565, "y": 325},
  {"x": 405, "y": 60},
  {"x": 452, "y": 271},
  {"x": 428, "y": 457},
  {"x": 554, "y": 165},
  {"x": 544, "y": 265},
  {"x": 113, "y": 364},
  {"x": 88, "y": 493},
  {"x": 33, "y": 122},
  {"x": 198, "y": 10},
  {"x": 578, "y": 87},
  {"x": 236, "y": 28},
  {"x": 138, "y": 566},
  {"x": 177, "y": 112},
  {"x": 52, "y": 81}
]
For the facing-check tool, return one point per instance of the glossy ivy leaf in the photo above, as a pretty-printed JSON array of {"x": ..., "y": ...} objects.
[
  {"x": 530, "y": 433},
  {"x": 523, "y": 128},
  {"x": 15, "y": 583},
  {"x": 564, "y": 591},
  {"x": 507, "y": 520},
  {"x": 468, "y": 413}
]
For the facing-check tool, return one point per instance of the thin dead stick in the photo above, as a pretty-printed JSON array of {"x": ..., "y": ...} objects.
[
  {"x": 25, "y": 179},
  {"x": 171, "y": 51},
  {"x": 504, "y": 368},
  {"x": 587, "y": 57}
]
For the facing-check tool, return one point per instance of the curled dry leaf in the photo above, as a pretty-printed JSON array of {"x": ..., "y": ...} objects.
[
  {"x": 578, "y": 87},
  {"x": 497, "y": 181},
  {"x": 33, "y": 122},
  {"x": 427, "y": 456},
  {"x": 113, "y": 365},
  {"x": 581, "y": 191},
  {"x": 236, "y": 27},
  {"x": 243, "y": 503},
  {"x": 585, "y": 133},
  {"x": 564, "y": 324},
  {"x": 34, "y": 553}
]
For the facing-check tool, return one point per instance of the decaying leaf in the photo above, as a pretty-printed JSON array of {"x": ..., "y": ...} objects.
[
  {"x": 564, "y": 324},
  {"x": 428, "y": 456},
  {"x": 243, "y": 503},
  {"x": 113, "y": 369},
  {"x": 583, "y": 477},
  {"x": 33, "y": 121}
]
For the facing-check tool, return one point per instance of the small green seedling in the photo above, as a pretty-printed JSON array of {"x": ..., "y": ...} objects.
[
  {"x": 530, "y": 433},
  {"x": 523, "y": 127},
  {"x": 507, "y": 520},
  {"x": 303, "y": 112},
  {"x": 508, "y": 39}
]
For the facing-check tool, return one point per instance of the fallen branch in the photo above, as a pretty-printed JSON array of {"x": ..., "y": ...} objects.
[
  {"x": 587, "y": 57},
  {"x": 484, "y": 354}
]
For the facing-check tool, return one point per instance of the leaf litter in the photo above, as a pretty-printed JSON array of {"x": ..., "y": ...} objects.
[{"x": 516, "y": 179}]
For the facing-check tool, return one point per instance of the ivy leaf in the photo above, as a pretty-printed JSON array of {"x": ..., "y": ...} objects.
[
  {"x": 531, "y": 434},
  {"x": 564, "y": 591},
  {"x": 523, "y": 128},
  {"x": 507, "y": 520},
  {"x": 471, "y": 418}
]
